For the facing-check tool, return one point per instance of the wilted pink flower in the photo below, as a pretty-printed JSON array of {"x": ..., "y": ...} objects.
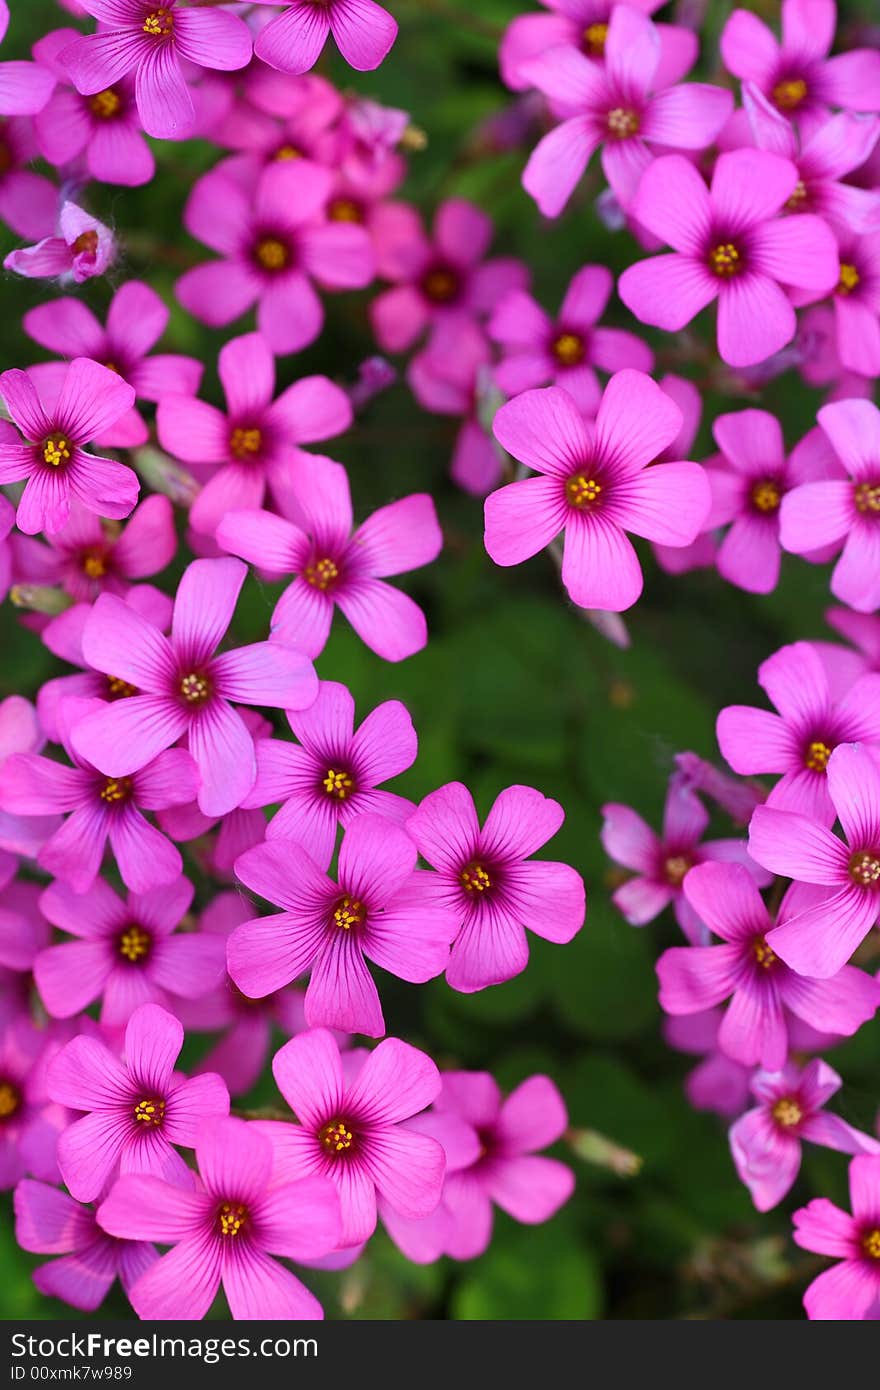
[
  {"x": 82, "y": 248},
  {"x": 747, "y": 970},
  {"x": 349, "y": 1128},
  {"x": 729, "y": 244},
  {"x": 332, "y": 774},
  {"x": 87, "y": 558},
  {"x": 487, "y": 880},
  {"x": 252, "y": 442},
  {"x": 27, "y": 200},
  {"x": 225, "y": 1230},
  {"x": 151, "y": 42},
  {"x": 766, "y": 1141},
  {"x": 844, "y": 509},
  {"x": 54, "y": 461},
  {"x": 336, "y": 566},
  {"x": 619, "y": 106},
  {"x": 274, "y": 238},
  {"x": 582, "y": 24},
  {"x": 184, "y": 687},
  {"x": 849, "y": 1290},
  {"x": 596, "y": 486},
  {"x": 127, "y": 952},
  {"x": 363, "y": 31},
  {"x": 49, "y": 1222}
]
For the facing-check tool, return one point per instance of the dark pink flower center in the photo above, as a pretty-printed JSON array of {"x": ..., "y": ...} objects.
[
  {"x": 568, "y": 348},
  {"x": 272, "y": 254},
  {"x": 871, "y": 1243},
  {"x": 867, "y": 498},
  {"x": 195, "y": 688},
  {"x": 134, "y": 944},
  {"x": 231, "y": 1219},
  {"x": 476, "y": 879},
  {"x": 816, "y": 754},
  {"x": 338, "y": 784},
  {"x": 623, "y": 122},
  {"x": 675, "y": 866},
  {"x": 583, "y": 490},
  {"x": 763, "y": 954},
  {"x": 116, "y": 789},
  {"x": 149, "y": 1112},
  {"x": 849, "y": 279},
  {"x": 337, "y": 1138},
  {"x": 160, "y": 23},
  {"x": 864, "y": 868},
  {"x": 789, "y": 93},
  {"x": 57, "y": 449},
  {"x": 766, "y": 496},
  {"x": 348, "y": 914},
  {"x": 345, "y": 210},
  {"x": 245, "y": 442},
  {"x": 593, "y": 40},
  {"x": 7, "y": 160},
  {"x": 441, "y": 284},
  {"x": 788, "y": 1112},
  {"x": 118, "y": 689},
  {"x": 726, "y": 259},
  {"x": 10, "y": 1100},
  {"x": 322, "y": 573},
  {"x": 105, "y": 105},
  {"x": 93, "y": 562}
]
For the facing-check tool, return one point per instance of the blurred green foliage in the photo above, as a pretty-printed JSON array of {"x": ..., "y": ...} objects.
[{"x": 516, "y": 687}]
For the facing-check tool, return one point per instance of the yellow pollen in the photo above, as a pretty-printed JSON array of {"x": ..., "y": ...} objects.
[
  {"x": 134, "y": 944},
  {"x": 867, "y": 497},
  {"x": 582, "y": 492},
  {"x": 231, "y": 1216},
  {"x": 568, "y": 349},
  {"x": 195, "y": 689},
  {"x": 864, "y": 868},
  {"x": 10, "y": 1100},
  {"x": 789, "y": 94},
  {"x": 622, "y": 122},
  {"x": 849, "y": 278},
  {"x": 339, "y": 785},
  {"x": 440, "y": 285},
  {"x": 105, "y": 105},
  {"x": 336, "y": 1137},
  {"x": 787, "y": 1112},
  {"x": 322, "y": 574},
  {"x": 871, "y": 1244},
  {"x": 119, "y": 689},
  {"x": 594, "y": 39},
  {"x": 817, "y": 755},
  {"x": 765, "y": 956},
  {"x": 474, "y": 879},
  {"x": 287, "y": 152},
  {"x": 344, "y": 210},
  {"x": 56, "y": 450},
  {"x": 159, "y": 24},
  {"x": 766, "y": 496},
  {"x": 116, "y": 789},
  {"x": 150, "y": 1111},
  {"x": 86, "y": 244},
  {"x": 94, "y": 564},
  {"x": 348, "y": 913},
  {"x": 798, "y": 198},
  {"x": 675, "y": 868},
  {"x": 272, "y": 254},
  {"x": 724, "y": 260},
  {"x": 245, "y": 442}
]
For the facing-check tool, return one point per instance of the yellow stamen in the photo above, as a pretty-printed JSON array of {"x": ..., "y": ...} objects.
[
  {"x": 195, "y": 688},
  {"x": 56, "y": 450},
  {"x": 787, "y": 1112},
  {"x": 134, "y": 944},
  {"x": 244, "y": 443},
  {"x": 94, "y": 564},
  {"x": 871, "y": 1244},
  {"x": 287, "y": 152},
  {"x": 798, "y": 199},
  {"x": 568, "y": 349},
  {"x": 765, "y": 956},
  {"x": 10, "y": 1099},
  {"x": 105, "y": 105},
  {"x": 344, "y": 210},
  {"x": 440, "y": 285},
  {"x": 336, "y": 1137},
  {"x": 623, "y": 123},
  {"x": 231, "y": 1216},
  {"x": 766, "y": 495},
  {"x": 116, "y": 789},
  {"x": 594, "y": 39},
  {"x": 474, "y": 879},
  {"x": 725, "y": 260},
  {"x": 272, "y": 254},
  {"x": 322, "y": 574},
  {"x": 817, "y": 755},
  {"x": 582, "y": 492},
  {"x": 849, "y": 278},
  {"x": 864, "y": 868},
  {"x": 119, "y": 689},
  {"x": 159, "y": 24},
  {"x": 348, "y": 913},
  {"x": 790, "y": 93},
  {"x": 867, "y": 497},
  {"x": 339, "y": 785},
  {"x": 150, "y": 1111}
]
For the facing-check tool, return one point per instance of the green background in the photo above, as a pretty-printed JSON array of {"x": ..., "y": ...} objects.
[{"x": 514, "y": 686}]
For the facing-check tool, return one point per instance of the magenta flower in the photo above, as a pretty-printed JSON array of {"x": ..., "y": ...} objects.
[
  {"x": 424, "y": 1239},
  {"x": 616, "y": 105},
  {"x": 185, "y": 688},
  {"x": 857, "y": 301},
  {"x": 225, "y": 1231},
  {"x": 595, "y": 485},
  {"x": 24, "y": 87},
  {"x": 49, "y": 1222},
  {"x": 486, "y": 880},
  {"x": 332, "y": 774},
  {"x": 81, "y": 249},
  {"x": 137, "y": 1109},
  {"x": 766, "y": 1141},
  {"x": 452, "y": 376},
  {"x": 440, "y": 280},
  {"x": 730, "y": 244},
  {"x": 364, "y": 33},
  {"x": 152, "y": 41},
  {"x": 797, "y": 75},
  {"x": 29, "y": 1122},
  {"x": 274, "y": 239},
  {"x": 308, "y": 110},
  {"x": 101, "y": 808},
  {"x": 660, "y": 863},
  {"x": 799, "y": 740},
  {"x": 843, "y": 509},
  {"x": 747, "y": 970},
  {"x": 822, "y": 937},
  {"x": 540, "y": 350},
  {"x": 350, "y": 1128},
  {"x": 54, "y": 461},
  {"x": 717, "y": 1083},
  {"x": 127, "y": 952},
  {"x": 582, "y": 24},
  {"x": 337, "y": 567},
  {"x": 27, "y": 200},
  {"x": 380, "y": 908},
  {"x": 848, "y": 1291},
  {"x": 252, "y": 442}
]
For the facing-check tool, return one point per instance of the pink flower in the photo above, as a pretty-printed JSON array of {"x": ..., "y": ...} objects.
[
  {"x": 766, "y": 1141},
  {"x": 336, "y": 566},
  {"x": 486, "y": 880},
  {"x": 252, "y": 442},
  {"x": 857, "y": 301},
  {"x": 225, "y": 1231},
  {"x": 820, "y": 363},
  {"x": 27, "y": 200},
  {"x": 717, "y": 1083},
  {"x": 619, "y": 106},
  {"x": 660, "y": 863},
  {"x": 54, "y": 461},
  {"x": 729, "y": 244},
  {"x": 31, "y": 1122},
  {"x": 595, "y": 485},
  {"x": 24, "y": 87},
  {"x": 363, "y": 31},
  {"x": 847, "y": 1291},
  {"x": 747, "y": 970},
  {"x": 819, "y": 939},
  {"x": 184, "y": 687},
  {"x": 540, "y": 350},
  {"x": 151, "y": 42},
  {"x": 582, "y": 24},
  {"x": 49, "y": 1222},
  {"x": 332, "y": 774},
  {"x": 350, "y": 1128},
  {"x": 82, "y": 248},
  {"x": 274, "y": 239},
  {"x": 308, "y": 110},
  {"x": 451, "y": 376},
  {"x": 843, "y": 510},
  {"x": 440, "y": 280},
  {"x": 127, "y": 952},
  {"x": 380, "y": 908},
  {"x": 797, "y": 76},
  {"x": 138, "y": 1110}
]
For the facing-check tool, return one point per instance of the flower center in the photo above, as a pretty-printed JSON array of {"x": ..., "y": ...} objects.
[
  {"x": 272, "y": 254},
  {"x": 789, "y": 93},
  {"x": 86, "y": 244},
  {"x": 337, "y": 784},
  {"x": 322, "y": 574},
  {"x": 849, "y": 278},
  {"x": 817, "y": 755},
  {"x": 568, "y": 349},
  {"x": 766, "y": 495},
  {"x": 336, "y": 1137},
  {"x": 287, "y": 152},
  {"x": 10, "y": 1100},
  {"x": 344, "y": 210},
  {"x": 244, "y": 442},
  {"x": 675, "y": 868},
  {"x": 134, "y": 944},
  {"x": 474, "y": 878},
  {"x": 150, "y": 1111},
  {"x": 349, "y": 913},
  {"x": 231, "y": 1216},
  {"x": 798, "y": 199},
  {"x": 623, "y": 122},
  {"x": 864, "y": 868},
  {"x": 116, "y": 789},
  {"x": 764, "y": 955},
  {"x": 6, "y": 158},
  {"x": 159, "y": 24},
  {"x": 787, "y": 1112},
  {"x": 94, "y": 564},
  {"x": 118, "y": 689},
  {"x": 195, "y": 688},
  {"x": 105, "y": 105},
  {"x": 440, "y": 285},
  {"x": 582, "y": 491},
  {"x": 867, "y": 497},
  {"x": 56, "y": 450},
  {"x": 871, "y": 1243},
  {"x": 594, "y": 37},
  {"x": 725, "y": 260}
]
